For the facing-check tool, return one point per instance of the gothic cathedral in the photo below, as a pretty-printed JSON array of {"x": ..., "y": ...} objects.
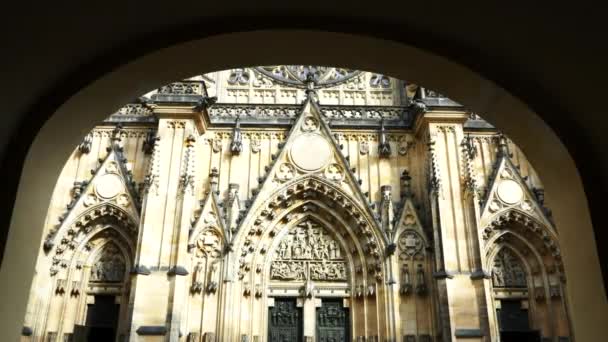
[{"x": 297, "y": 203}]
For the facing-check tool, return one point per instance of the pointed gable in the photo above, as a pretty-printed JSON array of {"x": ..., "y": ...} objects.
[
  {"x": 408, "y": 225},
  {"x": 310, "y": 150},
  {"x": 507, "y": 190},
  {"x": 209, "y": 218},
  {"x": 111, "y": 184}
]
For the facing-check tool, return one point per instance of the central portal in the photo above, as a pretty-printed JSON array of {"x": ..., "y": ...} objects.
[{"x": 285, "y": 323}]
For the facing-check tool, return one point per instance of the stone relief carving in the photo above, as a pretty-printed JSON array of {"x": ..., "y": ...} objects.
[
  {"x": 110, "y": 265},
  {"x": 85, "y": 145},
  {"x": 308, "y": 252},
  {"x": 406, "y": 281},
  {"x": 285, "y": 172},
  {"x": 410, "y": 245},
  {"x": 123, "y": 200},
  {"x": 507, "y": 270},
  {"x": 236, "y": 145},
  {"x": 421, "y": 288},
  {"x": 379, "y": 81},
  {"x": 216, "y": 145},
  {"x": 364, "y": 147},
  {"x": 404, "y": 146},
  {"x": 256, "y": 145},
  {"x": 299, "y": 75},
  {"x": 182, "y": 88},
  {"x": 310, "y": 124},
  {"x": 208, "y": 244},
  {"x": 239, "y": 76},
  {"x": 384, "y": 147},
  {"x": 334, "y": 172}
]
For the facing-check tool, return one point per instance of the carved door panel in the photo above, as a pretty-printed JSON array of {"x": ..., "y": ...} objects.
[
  {"x": 284, "y": 321},
  {"x": 332, "y": 322}
]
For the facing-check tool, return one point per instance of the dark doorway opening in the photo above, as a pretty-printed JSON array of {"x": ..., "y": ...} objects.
[
  {"x": 514, "y": 323},
  {"x": 101, "y": 322},
  {"x": 285, "y": 321},
  {"x": 333, "y": 321}
]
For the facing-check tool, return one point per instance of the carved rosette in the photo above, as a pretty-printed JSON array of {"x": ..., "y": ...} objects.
[
  {"x": 208, "y": 244},
  {"x": 410, "y": 245}
]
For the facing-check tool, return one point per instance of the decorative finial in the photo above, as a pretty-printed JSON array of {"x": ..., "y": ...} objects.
[{"x": 503, "y": 146}]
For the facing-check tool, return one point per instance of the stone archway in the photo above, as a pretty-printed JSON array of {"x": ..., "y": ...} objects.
[{"x": 552, "y": 160}]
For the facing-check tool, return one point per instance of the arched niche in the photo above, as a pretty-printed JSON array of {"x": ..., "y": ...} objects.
[
  {"x": 206, "y": 248},
  {"x": 526, "y": 271}
]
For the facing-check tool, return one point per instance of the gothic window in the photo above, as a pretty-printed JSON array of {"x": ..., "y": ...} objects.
[
  {"x": 507, "y": 270},
  {"x": 308, "y": 252},
  {"x": 109, "y": 265}
]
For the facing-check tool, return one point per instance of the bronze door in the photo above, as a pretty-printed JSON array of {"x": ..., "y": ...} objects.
[
  {"x": 284, "y": 321},
  {"x": 332, "y": 321}
]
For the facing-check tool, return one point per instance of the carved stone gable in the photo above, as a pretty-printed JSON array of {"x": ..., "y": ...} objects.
[
  {"x": 308, "y": 252},
  {"x": 507, "y": 270},
  {"x": 507, "y": 190},
  {"x": 310, "y": 150}
]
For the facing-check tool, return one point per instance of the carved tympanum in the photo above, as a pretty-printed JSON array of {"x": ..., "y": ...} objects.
[
  {"x": 308, "y": 252},
  {"x": 508, "y": 271},
  {"x": 109, "y": 266}
]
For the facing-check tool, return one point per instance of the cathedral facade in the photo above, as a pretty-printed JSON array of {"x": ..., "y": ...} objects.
[{"x": 297, "y": 203}]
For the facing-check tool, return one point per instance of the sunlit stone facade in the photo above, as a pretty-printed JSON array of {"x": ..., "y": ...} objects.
[{"x": 294, "y": 203}]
